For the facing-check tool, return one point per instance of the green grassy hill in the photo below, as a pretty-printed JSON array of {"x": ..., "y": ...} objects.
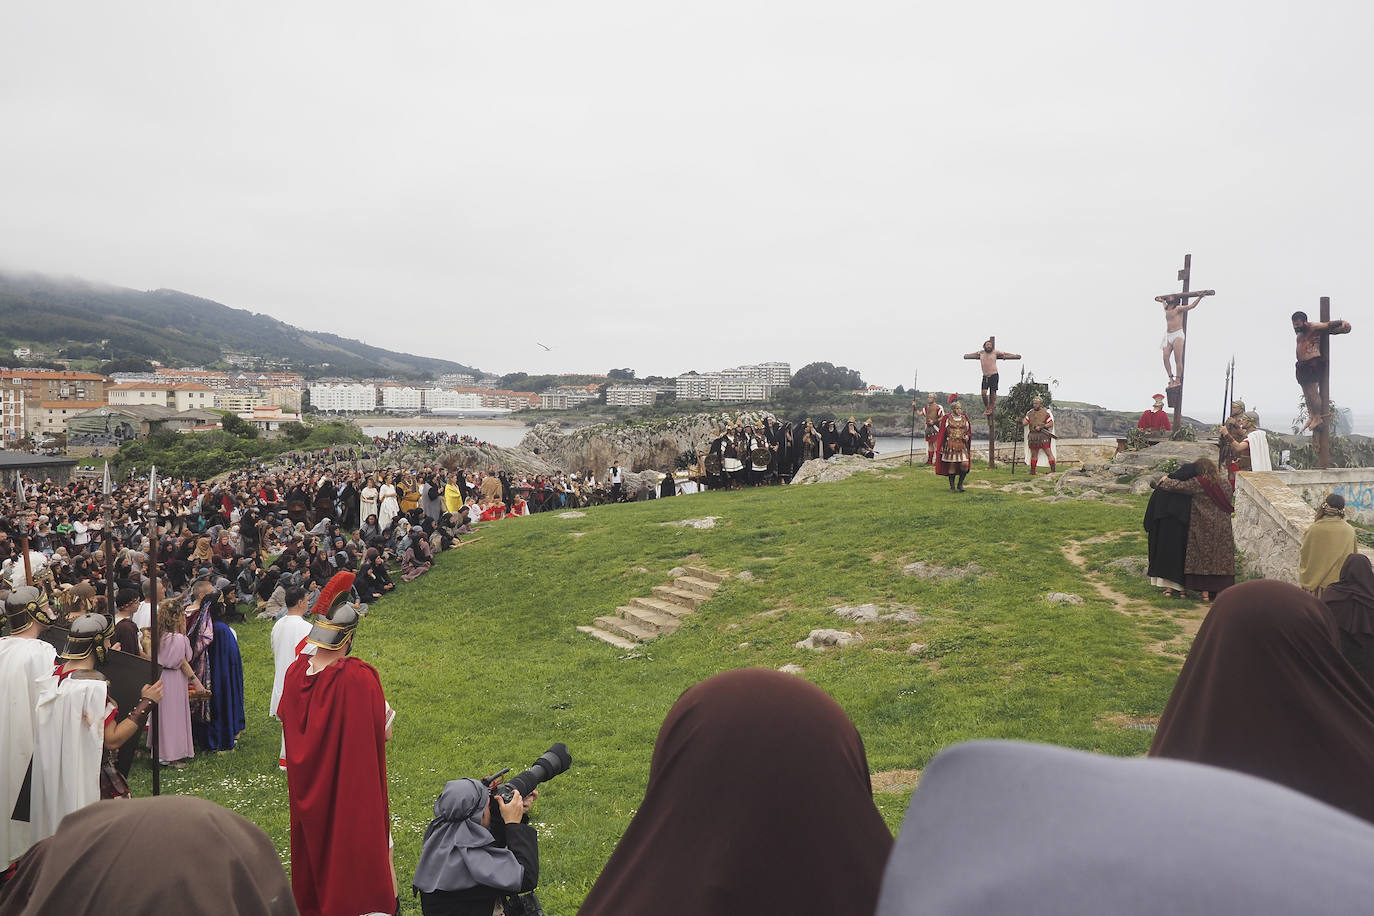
[
  {"x": 482, "y": 661},
  {"x": 182, "y": 330}
]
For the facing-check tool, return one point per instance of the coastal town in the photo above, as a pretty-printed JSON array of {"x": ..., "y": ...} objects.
[{"x": 87, "y": 412}]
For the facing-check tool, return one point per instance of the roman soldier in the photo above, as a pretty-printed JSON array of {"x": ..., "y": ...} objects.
[
  {"x": 932, "y": 413},
  {"x": 337, "y": 722},
  {"x": 26, "y": 666},
  {"x": 78, "y": 727},
  {"x": 760, "y": 455},
  {"x": 1156, "y": 419},
  {"x": 1039, "y": 435},
  {"x": 1233, "y": 442},
  {"x": 953, "y": 444}
]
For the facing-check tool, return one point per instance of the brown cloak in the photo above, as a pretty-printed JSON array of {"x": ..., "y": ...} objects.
[
  {"x": 1266, "y": 691},
  {"x": 758, "y": 801}
]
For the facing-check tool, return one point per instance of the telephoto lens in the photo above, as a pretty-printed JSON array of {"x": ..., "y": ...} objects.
[{"x": 552, "y": 762}]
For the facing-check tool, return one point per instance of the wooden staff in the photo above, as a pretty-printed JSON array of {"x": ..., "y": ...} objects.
[
  {"x": 23, "y": 503},
  {"x": 154, "y": 672},
  {"x": 107, "y": 514}
]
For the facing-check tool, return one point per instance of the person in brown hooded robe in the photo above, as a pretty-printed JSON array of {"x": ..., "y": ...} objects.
[
  {"x": 758, "y": 801},
  {"x": 169, "y": 854},
  {"x": 1351, "y": 600},
  {"x": 1266, "y": 691}
]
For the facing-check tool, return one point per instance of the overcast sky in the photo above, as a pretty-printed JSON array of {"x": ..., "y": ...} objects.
[{"x": 694, "y": 186}]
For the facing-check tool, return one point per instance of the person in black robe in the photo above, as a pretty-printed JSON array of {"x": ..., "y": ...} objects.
[
  {"x": 349, "y": 504},
  {"x": 1351, "y": 600},
  {"x": 848, "y": 439},
  {"x": 830, "y": 439},
  {"x": 1166, "y": 525},
  {"x": 326, "y": 498}
]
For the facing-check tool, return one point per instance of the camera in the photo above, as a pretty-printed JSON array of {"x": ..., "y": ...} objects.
[{"x": 552, "y": 762}]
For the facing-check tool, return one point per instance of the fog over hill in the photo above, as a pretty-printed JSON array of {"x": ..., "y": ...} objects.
[{"x": 179, "y": 329}]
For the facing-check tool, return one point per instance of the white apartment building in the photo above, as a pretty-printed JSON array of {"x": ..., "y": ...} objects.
[
  {"x": 179, "y": 397},
  {"x": 401, "y": 397},
  {"x": 12, "y": 412},
  {"x": 240, "y": 400},
  {"x": 739, "y": 384},
  {"x": 343, "y": 397},
  {"x": 447, "y": 397},
  {"x": 457, "y": 380},
  {"x": 567, "y": 397},
  {"x": 631, "y": 395}
]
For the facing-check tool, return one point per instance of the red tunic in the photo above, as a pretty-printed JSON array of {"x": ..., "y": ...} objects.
[
  {"x": 1155, "y": 419},
  {"x": 335, "y": 726},
  {"x": 941, "y": 467}
]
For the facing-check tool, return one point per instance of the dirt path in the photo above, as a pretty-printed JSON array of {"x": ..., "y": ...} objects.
[{"x": 1187, "y": 615}]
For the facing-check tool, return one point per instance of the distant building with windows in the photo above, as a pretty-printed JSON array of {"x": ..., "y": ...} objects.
[
  {"x": 178, "y": 396},
  {"x": 566, "y": 397},
  {"x": 631, "y": 395},
  {"x": 742, "y": 383},
  {"x": 401, "y": 397},
  {"x": 872, "y": 390},
  {"x": 448, "y": 398},
  {"x": 343, "y": 397}
]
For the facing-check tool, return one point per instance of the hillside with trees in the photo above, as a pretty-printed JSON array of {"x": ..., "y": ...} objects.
[{"x": 99, "y": 324}]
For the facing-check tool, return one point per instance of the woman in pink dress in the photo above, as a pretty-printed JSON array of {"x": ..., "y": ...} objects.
[{"x": 174, "y": 712}]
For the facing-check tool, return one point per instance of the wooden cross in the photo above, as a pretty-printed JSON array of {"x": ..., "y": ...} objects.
[
  {"x": 1185, "y": 274},
  {"x": 1322, "y": 434}
]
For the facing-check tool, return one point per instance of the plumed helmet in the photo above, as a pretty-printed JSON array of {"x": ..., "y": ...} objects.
[
  {"x": 337, "y": 620},
  {"x": 26, "y": 606},
  {"x": 954, "y": 399},
  {"x": 335, "y": 631},
  {"x": 87, "y": 635}
]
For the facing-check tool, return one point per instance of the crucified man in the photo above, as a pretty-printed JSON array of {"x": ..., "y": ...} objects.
[
  {"x": 987, "y": 358},
  {"x": 1311, "y": 363},
  {"x": 1175, "y": 305}
]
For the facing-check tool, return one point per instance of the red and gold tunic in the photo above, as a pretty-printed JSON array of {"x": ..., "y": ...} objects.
[
  {"x": 1038, "y": 423},
  {"x": 956, "y": 433}
]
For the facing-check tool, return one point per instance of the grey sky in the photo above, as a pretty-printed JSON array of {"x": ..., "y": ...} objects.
[{"x": 679, "y": 186}]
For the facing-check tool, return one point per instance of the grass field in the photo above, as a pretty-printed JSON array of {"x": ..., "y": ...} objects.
[{"x": 482, "y": 661}]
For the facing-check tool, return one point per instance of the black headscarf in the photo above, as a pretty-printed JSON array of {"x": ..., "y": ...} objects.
[
  {"x": 1351, "y": 599},
  {"x": 806, "y": 840}
]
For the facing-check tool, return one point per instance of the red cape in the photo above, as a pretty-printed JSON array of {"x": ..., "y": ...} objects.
[
  {"x": 335, "y": 727},
  {"x": 1151, "y": 419}
]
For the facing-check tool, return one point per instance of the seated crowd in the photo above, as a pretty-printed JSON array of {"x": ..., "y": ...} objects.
[{"x": 759, "y": 798}]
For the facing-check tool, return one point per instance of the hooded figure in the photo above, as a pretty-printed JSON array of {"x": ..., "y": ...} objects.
[
  {"x": 809, "y": 842},
  {"x": 112, "y": 840},
  {"x": 1325, "y": 545},
  {"x": 1265, "y": 690},
  {"x": 1006, "y": 827},
  {"x": 462, "y": 867},
  {"x": 1351, "y": 600}
]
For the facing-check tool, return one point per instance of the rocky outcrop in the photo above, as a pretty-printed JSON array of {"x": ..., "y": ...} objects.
[
  {"x": 1129, "y": 472},
  {"x": 655, "y": 445}
]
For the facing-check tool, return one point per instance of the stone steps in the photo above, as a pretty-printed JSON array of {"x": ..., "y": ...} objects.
[
  {"x": 646, "y": 618},
  {"x": 692, "y": 584}
]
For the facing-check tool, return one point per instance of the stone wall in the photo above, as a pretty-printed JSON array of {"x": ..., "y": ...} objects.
[
  {"x": 1355, "y": 484},
  {"x": 1272, "y": 516}
]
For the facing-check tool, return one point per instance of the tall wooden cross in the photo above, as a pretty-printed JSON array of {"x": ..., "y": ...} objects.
[
  {"x": 1185, "y": 274},
  {"x": 1322, "y": 434}
]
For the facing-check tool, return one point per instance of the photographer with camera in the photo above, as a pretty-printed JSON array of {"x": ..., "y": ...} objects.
[
  {"x": 464, "y": 868},
  {"x": 480, "y": 847}
]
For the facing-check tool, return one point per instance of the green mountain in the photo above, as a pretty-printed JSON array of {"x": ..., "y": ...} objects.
[{"x": 99, "y": 322}]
